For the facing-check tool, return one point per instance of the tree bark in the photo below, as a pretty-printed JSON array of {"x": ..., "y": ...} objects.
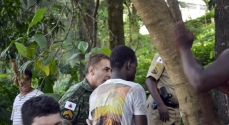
[
  {"x": 222, "y": 43},
  {"x": 175, "y": 10},
  {"x": 115, "y": 23},
  {"x": 196, "y": 109},
  {"x": 87, "y": 26}
]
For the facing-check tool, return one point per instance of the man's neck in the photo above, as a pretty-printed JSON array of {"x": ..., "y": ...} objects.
[
  {"x": 90, "y": 82},
  {"x": 118, "y": 75},
  {"x": 23, "y": 93}
]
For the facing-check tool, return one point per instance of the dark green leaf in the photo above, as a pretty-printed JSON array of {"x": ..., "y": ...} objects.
[
  {"x": 65, "y": 69},
  {"x": 72, "y": 57},
  {"x": 49, "y": 58},
  {"x": 40, "y": 39}
]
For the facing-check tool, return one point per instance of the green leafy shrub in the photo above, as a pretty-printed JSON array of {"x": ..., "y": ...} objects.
[
  {"x": 204, "y": 31},
  {"x": 8, "y": 92}
]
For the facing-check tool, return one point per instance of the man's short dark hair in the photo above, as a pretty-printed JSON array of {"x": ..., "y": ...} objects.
[
  {"x": 95, "y": 59},
  {"x": 28, "y": 72},
  {"x": 120, "y": 54},
  {"x": 37, "y": 107}
]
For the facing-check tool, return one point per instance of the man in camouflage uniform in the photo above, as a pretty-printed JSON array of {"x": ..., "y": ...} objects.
[
  {"x": 158, "y": 111},
  {"x": 74, "y": 104}
]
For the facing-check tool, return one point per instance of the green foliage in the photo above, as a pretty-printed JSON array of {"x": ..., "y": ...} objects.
[
  {"x": 8, "y": 92},
  {"x": 204, "y": 31},
  {"x": 144, "y": 59},
  {"x": 40, "y": 39},
  {"x": 28, "y": 44},
  {"x": 211, "y": 4},
  {"x": 37, "y": 17},
  {"x": 144, "y": 56},
  {"x": 83, "y": 46},
  {"x": 21, "y": 48}
]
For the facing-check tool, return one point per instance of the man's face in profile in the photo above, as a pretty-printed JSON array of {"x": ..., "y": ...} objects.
[{"x": 52, "y": 119}]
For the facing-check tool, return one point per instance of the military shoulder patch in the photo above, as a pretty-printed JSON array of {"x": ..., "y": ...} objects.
[
  {"x": 70, "y": 105},
  {"x": 159, "y": 60},
  {"x": 154, "y": 71},
  {"x": 67, "y": 114},
  {"x": 158, "y": 65}
]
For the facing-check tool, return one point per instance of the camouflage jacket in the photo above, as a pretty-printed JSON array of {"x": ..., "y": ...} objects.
[{"x": 74, "y": 104}]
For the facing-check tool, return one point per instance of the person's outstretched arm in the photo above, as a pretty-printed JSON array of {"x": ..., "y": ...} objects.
[
  {"x": 224, "y": 88},
  {"x": 201, "y": 79}
]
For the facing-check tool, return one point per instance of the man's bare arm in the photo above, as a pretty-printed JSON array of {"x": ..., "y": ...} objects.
[
  {"x": 224, "y": 88},
  {"x": 201, "y": 79},
  {"x": 140, "y": 119}
]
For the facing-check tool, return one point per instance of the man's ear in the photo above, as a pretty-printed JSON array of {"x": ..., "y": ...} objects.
[
  {"x": 128, "y": 65},
  {"x": 91, "y": 70}
]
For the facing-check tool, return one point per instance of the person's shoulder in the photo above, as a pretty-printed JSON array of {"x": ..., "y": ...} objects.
[
  {"x": 72, "y": 91},
  {"x": 39, "y": 92},
  {"x": 75, "y": 87},
  {"x": 225, "y": 53},
  {"x": 130, "y": 83},
  {"x": 156, "y": 56},
  {"x": 16, "y": 97}
]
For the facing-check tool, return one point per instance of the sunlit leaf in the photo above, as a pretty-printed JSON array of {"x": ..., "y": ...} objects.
[
  {"x": 11, "y": 43},
  {"x": 21, "y": 49},
  {"x": 31, "y": 50},
  {"x": 96, "y": 50},
  {"x": 83, "y": 46},
  {"x": 37, "y": 17},
  {"x": 3, "y": 76},
  {"x": 40, "y": 67},
  {"x": 52, "y": 67},
  {"x": 106, "y": 51},
  {"x": 212, "y": 53}
]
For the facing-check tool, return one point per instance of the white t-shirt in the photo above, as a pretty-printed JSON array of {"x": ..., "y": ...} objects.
[
  {"x": 116, "y": 102},
  {"x": 18, "y": 102}
]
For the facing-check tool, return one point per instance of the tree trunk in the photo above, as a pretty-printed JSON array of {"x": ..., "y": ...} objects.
[
  {"x": 222, "y": 43},
  {"x": 196, "y": 109},
  {"x": 89, "y": 22},
  {"x": 87, "y": 27},
  {"x": 174, "y": 9},
  {"x": 115, "y": 23}
]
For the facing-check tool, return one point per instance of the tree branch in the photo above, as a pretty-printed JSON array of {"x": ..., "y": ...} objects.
[
  {"x": 29, "y": 8},
  {"x": 57, "y": 21},
  {"x": 95, "y": 23},
  {"x": 69, "y": 28}
]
